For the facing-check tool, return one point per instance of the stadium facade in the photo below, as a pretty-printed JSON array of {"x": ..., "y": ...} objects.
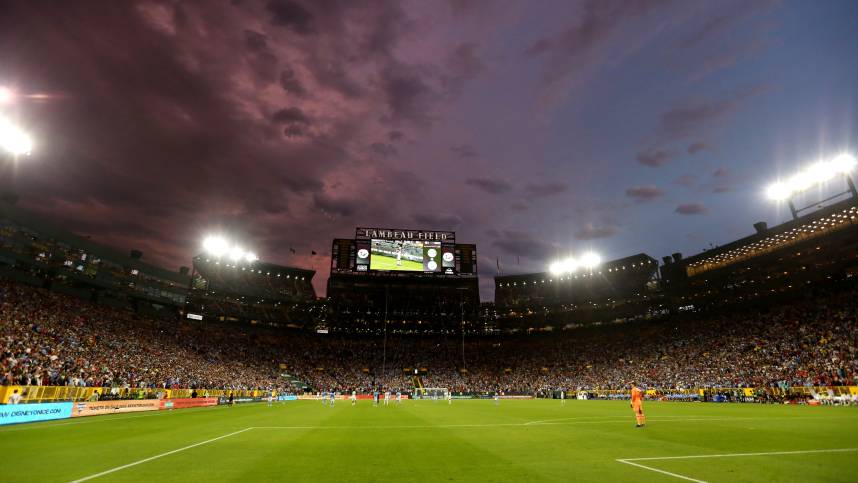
[{"x": 808, "y": 251}]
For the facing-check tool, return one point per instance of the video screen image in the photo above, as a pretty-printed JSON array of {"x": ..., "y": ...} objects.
[{"x": 396, "y": 255}]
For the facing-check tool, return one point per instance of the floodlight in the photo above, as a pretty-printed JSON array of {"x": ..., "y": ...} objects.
[
  {"x": 817, "y": 173},
  {"x": 570, "y": 265},
  {"x": 236, "y": 253},
  {"x": 250, "y": 257},
  {"x": 215, "y": 245},
  {"x": 590, "y": 260},
  {"x": 844, "y": 163},
  {"x": 778, "y": 191},
  {"x": 13, "y": 140},
  {"x": 6, "y": 95},
  {"x": 556, "y": 268}
]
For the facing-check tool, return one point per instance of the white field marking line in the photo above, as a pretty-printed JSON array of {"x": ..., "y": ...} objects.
[
  {"x": 631, "y": 461},
  {"x": 168, "y": 453},
  {"x": 497, "y": 425},
  {"x": 97, "y": 419},
  {"x": 660, "y": 471},
  {"x": 731, "y": 455}
]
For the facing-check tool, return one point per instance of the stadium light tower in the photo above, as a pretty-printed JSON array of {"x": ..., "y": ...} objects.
[
  {"x": 587, "y": 261},
  {"x": 13, "y": 139},
  {"x": 815, "y": 175},
  {"x": 218, "y": 247}
]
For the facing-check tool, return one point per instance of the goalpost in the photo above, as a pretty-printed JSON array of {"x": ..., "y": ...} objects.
[{"x": 435, "y": 393}]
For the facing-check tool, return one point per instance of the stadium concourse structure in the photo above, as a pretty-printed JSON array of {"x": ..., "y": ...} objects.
[{"x": 774, "y": 262}]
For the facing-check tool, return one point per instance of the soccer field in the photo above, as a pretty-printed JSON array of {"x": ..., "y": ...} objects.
[
  {"x": 384, "y": 262},
  {"x": 471, "y": 440}
]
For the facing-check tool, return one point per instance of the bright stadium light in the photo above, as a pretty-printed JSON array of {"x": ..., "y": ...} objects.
[
  {"x": 570, "y": 265},
  {"x": 7, "y": 95},
  {"x": 218, "y": 246},
  {"x": 590, "y": 260},
  {"x": 817, "y": 173},
  {"x": 13, "y": 140},
  {"x": 215, "y": 245},
  {"x": 236, "y": 253}
]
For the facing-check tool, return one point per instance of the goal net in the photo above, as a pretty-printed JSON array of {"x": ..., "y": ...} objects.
[{"x": 432, "y": 392}]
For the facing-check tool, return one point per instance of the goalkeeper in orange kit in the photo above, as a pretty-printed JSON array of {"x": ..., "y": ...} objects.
[{"x": 637, "y": 405}]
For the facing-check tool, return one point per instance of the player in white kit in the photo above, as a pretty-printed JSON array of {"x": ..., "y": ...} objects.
[
  {"x": 354, "y": 398},
  {"x": 398, "y": 256}
]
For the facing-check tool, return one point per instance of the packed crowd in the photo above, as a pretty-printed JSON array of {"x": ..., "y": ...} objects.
[{"x": 51, "y": 339}]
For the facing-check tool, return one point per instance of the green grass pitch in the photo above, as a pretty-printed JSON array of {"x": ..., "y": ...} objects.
[
  {"x": 471, "y": 440},
  {"x": 383, "y": 262}
]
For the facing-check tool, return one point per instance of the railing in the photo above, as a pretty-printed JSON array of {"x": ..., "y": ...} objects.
[{"x": 740, "y": 391}]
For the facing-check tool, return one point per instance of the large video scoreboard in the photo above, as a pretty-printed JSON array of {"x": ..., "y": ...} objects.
[{"x": 385, "y": 251}]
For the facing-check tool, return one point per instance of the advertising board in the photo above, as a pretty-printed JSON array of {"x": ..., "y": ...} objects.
[{"x": 28, "y": 413}]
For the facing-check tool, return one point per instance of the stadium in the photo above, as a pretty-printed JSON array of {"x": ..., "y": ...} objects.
[{"x": 578, "y": 344}]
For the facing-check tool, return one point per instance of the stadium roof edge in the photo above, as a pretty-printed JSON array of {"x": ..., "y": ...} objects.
[
  {"x": 42, "y": 226},
  {"x": 775, "y": 230}
]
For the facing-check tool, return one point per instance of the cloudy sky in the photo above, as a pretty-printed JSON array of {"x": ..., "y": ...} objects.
[{"x": 533, "y": 129}]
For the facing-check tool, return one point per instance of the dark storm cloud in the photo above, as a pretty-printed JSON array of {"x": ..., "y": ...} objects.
[
  {"x": 383, "y": 149},
  {"x": 696, "y": 147},
  {"x": 524, "y": 245},
  {"x": 691, "y": 209},
  {"x": 654, "y": 157},
  {"x": 286, "y": 13},
  {"x": 493, "y": 186},
  {"x": 334, "y": 206},
  {"x": 545, "y": 190},
  {"x": 644, "y": 193},
  {"x": 290, "y": 83},
  {"x": 437, "y": 221},
  {"x": 410, "y": 97},
  {"x": 290, "y": 115},
  {"x": 592, "y": 232},
  {"x": 464, "y": 151}
]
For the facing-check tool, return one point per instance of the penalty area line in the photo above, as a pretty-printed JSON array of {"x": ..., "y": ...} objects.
[
  {"x": 650, "y": 468},
  {"x": 631, "y": 461},
  {"x": 168, "y": 453}
]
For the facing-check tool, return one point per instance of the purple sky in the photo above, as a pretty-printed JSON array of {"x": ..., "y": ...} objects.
[{"x": 533, "y": 129}]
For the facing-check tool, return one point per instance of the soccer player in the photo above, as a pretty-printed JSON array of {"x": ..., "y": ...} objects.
[
  {"x": 386, "y": 397},
  {"x": 354, "y": 397},
  {"x": 375, "y": 397},
  {"x": 333, "y": 396},
  {"x": 497, "y": 398},
  {"x": 398, "y": 256},
  {"x": 324, "y": 398},
  {"x": 562, "y": 397},
  {"x": 270, "y": 398},
  {"x": 637, "y": 406},
  {"x": 398, "y": 398},
  {"x": 449, "y": 398},
  {"x": 14, "y": 398}
]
